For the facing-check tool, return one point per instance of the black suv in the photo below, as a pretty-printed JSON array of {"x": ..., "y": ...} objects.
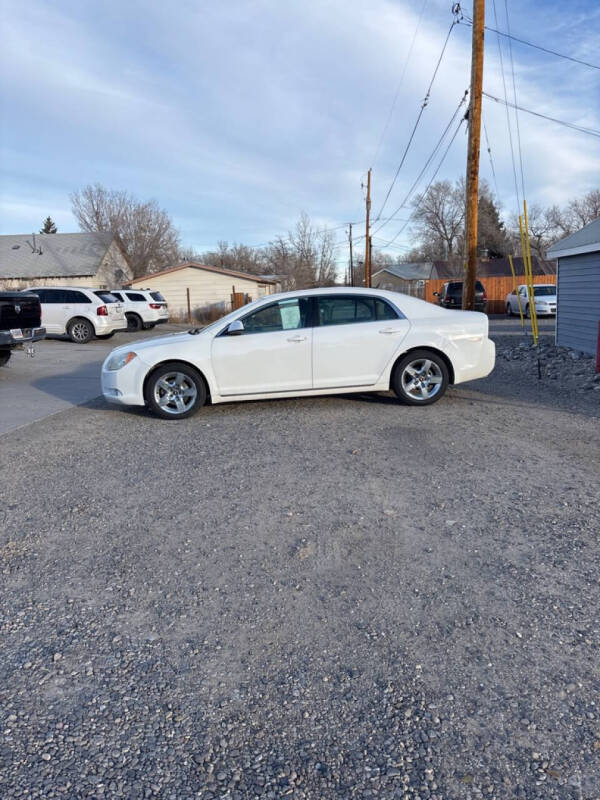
[
  {"x": 451, "y": 295},
  {"x": 20, "y": 322}
]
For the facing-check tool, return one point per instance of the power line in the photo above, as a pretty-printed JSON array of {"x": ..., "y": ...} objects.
[
  {"x": 424, "y": 105},
  {"x": 580, "y": 128},
  {"x": 400, "y": 82},
  {"x": 489, "y": 149},
  {"x": 510, "y": 138},
  {"x": 536, "y": 46},
  {"x": 512, "y": 67},
  {"x": 427, "y": 163},
  {"x": 431, "y": 180}
]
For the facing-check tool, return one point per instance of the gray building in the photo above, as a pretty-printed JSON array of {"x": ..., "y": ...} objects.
[
  {"x": 62, "y": 259},
  {"x": 578, "y": 293}
]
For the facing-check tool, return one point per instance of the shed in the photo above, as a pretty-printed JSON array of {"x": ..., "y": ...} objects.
[
  {"x": 207, "y": 286},
  {"x": 62, "y": 259},
  {"x": 578, "y": 294}
]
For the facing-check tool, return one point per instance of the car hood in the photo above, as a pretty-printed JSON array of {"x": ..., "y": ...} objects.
[{"x": 145, "y": 345}]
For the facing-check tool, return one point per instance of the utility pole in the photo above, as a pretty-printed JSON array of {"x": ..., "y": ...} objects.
[
  {"x": 473, "y": 153},
  {"x": 351, "y": 260},
  {"x": 368, "y": 234}
]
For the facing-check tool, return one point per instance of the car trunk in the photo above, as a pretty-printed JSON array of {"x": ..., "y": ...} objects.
[{"x": 19, "y": 310}]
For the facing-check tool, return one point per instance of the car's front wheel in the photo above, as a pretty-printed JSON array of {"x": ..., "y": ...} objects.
[
  {"x": 175, "y": 390},
  {"x": 509, "y": 311},
  {"x": 420, "y": 378}
]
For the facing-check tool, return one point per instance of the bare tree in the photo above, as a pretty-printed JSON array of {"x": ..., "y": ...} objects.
[
  {"x": 305, "y": 258},
  {"x": 439, "y": 221},
  {"x": 238, "y": 257},
  {"x": 145, "y": 231}
]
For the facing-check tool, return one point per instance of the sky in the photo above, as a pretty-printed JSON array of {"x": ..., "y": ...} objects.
[{"x": 238, "y": 116}]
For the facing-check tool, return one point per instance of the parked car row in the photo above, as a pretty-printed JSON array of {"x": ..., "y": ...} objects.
[{"x": 82, "y": 313}]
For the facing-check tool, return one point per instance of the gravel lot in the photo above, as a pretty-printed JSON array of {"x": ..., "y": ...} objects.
[{"x": 318, "y": 598}]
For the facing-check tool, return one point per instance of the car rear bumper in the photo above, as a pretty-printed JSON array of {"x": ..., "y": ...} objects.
[
  {"x": 12, "y": 339},
  {"x": 479, "y": 367}
]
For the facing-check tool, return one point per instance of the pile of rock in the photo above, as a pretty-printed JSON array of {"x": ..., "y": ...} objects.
[{"x": 561, "y": 364}]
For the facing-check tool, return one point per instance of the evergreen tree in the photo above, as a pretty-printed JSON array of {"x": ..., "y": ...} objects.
[{"x": 49, "y": 226}]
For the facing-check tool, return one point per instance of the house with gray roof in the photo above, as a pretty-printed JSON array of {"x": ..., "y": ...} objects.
[
  {"x": 578, "y": 292},
  {"x": 62, "y": 259}
]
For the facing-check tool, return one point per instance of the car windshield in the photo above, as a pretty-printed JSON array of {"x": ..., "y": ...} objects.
[
  {"x": 541, "y": 291},
  {"x": 157, "y": 296},
  {"x": 107, "y": 297}
]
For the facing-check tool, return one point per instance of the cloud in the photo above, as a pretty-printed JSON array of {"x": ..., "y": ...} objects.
[{"x": 236, "y": 116}]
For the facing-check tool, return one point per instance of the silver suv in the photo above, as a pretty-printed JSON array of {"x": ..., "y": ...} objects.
[{"x": 144, "y": 308}]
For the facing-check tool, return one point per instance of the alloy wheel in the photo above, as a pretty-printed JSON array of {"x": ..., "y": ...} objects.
[
  {"x": 80, "y": 332},
  {"x": 421, "y": 379},
  {"x": 175, "y": 393}
]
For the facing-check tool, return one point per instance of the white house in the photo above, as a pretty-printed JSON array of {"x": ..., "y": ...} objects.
[{"x": 202, "y": 286}]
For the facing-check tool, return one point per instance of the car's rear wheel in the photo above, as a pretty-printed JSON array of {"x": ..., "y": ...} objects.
[
  {"x": 4, "y": 357},
  {"x": 175, "y": 391},
  {"x": 420, "y": 378},
  {"x": 134, "y": 322},
  {"x": 80, "y": 330}
]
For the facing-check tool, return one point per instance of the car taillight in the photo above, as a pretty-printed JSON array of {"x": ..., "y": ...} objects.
[
  {"x": 102, "y": 311},
  {"x": 155, "y": 305}
]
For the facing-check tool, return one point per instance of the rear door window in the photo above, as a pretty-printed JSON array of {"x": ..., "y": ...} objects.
[
  {"x": 75, "y": 297},
  {"x": 336, "y": 310}
]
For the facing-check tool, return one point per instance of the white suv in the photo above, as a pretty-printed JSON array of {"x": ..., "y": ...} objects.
[
  {"x": 144, "y": 308},
  {"x": 80, "y": 313}
]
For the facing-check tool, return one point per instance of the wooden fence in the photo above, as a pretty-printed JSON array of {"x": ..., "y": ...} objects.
[{"x": 496, "y": 289}]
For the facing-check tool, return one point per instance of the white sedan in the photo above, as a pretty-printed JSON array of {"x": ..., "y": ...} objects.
[
  {"x": 545, "y": 299},
  {"x": 311, "y": 342}
]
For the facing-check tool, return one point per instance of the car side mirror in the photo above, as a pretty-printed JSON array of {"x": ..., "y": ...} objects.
[{"x": 235, "y": 328}]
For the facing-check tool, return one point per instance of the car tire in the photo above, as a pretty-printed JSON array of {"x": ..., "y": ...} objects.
[
  {"x": 509, "y": 311},
  {"x": 134, "y": 322},
  {"x": 175, "y": 390},
  {"x": 527, "y": 313},
  {"x": 105, "y": 335},
  {"x": 80, "y": 330},
  {"x": 420, "y": 378},
  {"x": 5, "y": 357}
]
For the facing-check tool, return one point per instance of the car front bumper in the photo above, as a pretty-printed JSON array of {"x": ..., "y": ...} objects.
[{"x": 125, "y": 386}]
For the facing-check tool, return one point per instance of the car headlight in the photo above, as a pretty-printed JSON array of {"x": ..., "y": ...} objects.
[{"x": 119, "y": 360}]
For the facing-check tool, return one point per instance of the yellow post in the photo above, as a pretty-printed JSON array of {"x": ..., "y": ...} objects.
[
  {"x": 516, "y": 289},
  {"x": 530, "y": 291}
]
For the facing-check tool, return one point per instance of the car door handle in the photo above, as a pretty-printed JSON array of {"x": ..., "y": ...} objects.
[
  {"x": 297, "y": 339},
  {"x": 390, "y": 330}
]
